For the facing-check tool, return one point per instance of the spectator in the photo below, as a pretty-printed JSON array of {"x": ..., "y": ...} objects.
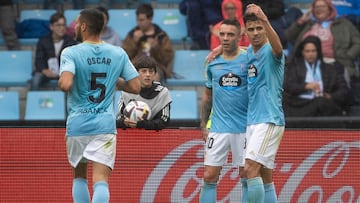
[
  {"x": 149, "y": 39},
  {"x": 48, "y": 51},
  {"x": 200, "y": 15},
  {"x": 7, "y": 25},
  {"x": 156, "y": 96},
  {"x": 340, "y": 40},
  {"x": 311, "y": 86},
  {"x": 231, "y": 9},
  {"x": 108, "y": 34},
  {"x": 279, "y": 19}
]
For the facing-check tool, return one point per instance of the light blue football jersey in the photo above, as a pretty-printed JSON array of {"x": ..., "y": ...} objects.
[
  {"x": 265, "y": 86},
  {"x": 228, "y": 80},
  {"x": 90, "y": 101}
]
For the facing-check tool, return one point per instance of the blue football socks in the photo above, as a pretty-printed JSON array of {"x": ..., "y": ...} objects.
[
  {"x": 256, "y": 190},
  {"x": 208, "y": 193},
  {"x": 80, "y": 191},
  {"x": 101, "y": 192},
  {"x": 244, "y": 190},
  {"x": 270, "y": 193}
]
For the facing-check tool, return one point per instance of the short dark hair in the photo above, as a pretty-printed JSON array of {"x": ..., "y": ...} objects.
[
  {"x": 233, "y": 22},
  {"x": 104, "y": 11},
  {"x": 55, "y": 17},
  {"x": 145, "y": 62},
  {"x": 250, "y": 17},
  {"x": 146, "y": 9},
  {"x": 94, "y": 20}
]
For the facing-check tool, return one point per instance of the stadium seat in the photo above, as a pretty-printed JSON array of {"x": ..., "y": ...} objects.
[
  {"x": 45, "y": 105},
  {"x": 16, "y": 68},
  {"x": 188, "y": 68},
  {"x": 183, "y": 105},
  {"x": 122, "y": 21},
  {"x": 71, "y": 15},
  {"x": 173, "y": 23},
  {"x": 9, "y": 105},
  {"x": 41, "y": 14}
]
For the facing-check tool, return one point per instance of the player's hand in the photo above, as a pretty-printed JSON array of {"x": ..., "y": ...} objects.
[
  {"x": 214, "y": 53},
  {"x": 204, "y": 133},
  {"x": 129, "y": 123},
  {"x": 255, "y": 9}
]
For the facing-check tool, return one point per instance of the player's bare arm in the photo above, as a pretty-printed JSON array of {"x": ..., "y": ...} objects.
[
  {"x": 206, "y": 104},
  {"x": 272, "y": 36},
  {"x": 131, "y": 86},
  {"x": 65, "y": 81}
]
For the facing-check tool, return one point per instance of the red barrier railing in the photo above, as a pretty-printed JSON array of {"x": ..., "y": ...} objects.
[{"x": 167, "y": 166}]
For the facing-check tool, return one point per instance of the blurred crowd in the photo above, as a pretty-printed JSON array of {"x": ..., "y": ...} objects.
[{"x": 322, "y": 43}]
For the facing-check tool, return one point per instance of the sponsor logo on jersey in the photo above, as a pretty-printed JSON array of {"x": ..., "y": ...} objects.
[
  {"x": 252, "y": 73},
  {"x": 230, "y": 81}
]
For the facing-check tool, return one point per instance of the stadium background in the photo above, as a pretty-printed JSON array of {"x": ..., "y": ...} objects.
[{"x": 318, "y": 159}]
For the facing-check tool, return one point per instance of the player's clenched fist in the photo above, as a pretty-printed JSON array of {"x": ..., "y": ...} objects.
[{"x": 255, "y": 9}]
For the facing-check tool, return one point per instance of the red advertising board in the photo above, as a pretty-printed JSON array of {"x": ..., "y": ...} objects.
[{"x": 166, "y": 166}]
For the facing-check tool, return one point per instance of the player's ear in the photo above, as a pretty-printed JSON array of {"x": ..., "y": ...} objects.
[{"x": 83, "y": 27}]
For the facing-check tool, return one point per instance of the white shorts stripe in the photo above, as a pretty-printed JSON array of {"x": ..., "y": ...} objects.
[
  {"x": 262, "y": 143},
  {"x": 267, "y": 138}
]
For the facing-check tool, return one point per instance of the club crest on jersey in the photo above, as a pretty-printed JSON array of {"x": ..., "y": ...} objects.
[
  {"x": 252, "y": 73},
  {"x": 230, "y": 81}
]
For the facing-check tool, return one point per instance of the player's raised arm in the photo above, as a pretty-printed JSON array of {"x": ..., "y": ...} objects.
[{"x": 272, "y": 36}]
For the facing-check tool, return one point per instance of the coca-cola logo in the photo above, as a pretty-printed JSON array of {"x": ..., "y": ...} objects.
[
  {"x": 320, "y": 177},
  {"x": 187, "y": 186},
  {"x": 315, "y": 179}
]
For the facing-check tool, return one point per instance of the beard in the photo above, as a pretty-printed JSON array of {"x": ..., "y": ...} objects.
[{"x": 78, "y": 36}]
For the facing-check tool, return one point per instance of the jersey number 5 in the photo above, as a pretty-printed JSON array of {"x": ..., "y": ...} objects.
[{"x": 94, "y": 86}]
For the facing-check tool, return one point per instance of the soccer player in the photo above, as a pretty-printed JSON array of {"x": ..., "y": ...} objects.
[
  {"x": 265, "y": 121},
  {"x": 153, "y": 93},
  {"x": 89, "y": 73},
  {"x": 226, "y": 94}
]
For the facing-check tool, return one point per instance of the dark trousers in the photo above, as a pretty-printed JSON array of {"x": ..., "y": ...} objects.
[{"x": 319, "y": 106}]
